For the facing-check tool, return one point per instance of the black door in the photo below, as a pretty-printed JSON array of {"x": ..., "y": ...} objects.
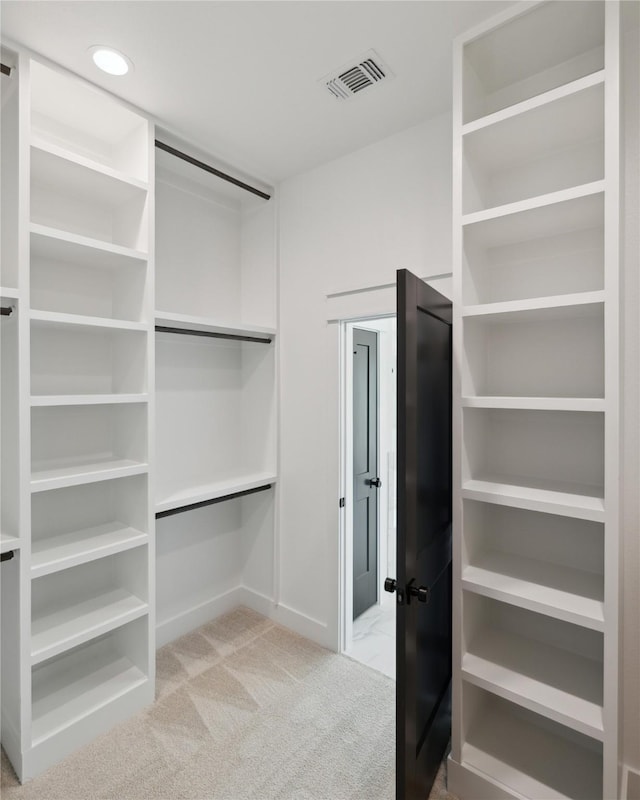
[
  {"x": 424, "y": 536},
  {"x": 365, "y": 465}
]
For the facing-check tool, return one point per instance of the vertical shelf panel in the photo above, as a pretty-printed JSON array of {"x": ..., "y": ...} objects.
[
  {"x": 536, "y": 437},
  {"x": 86, "y": 286}
]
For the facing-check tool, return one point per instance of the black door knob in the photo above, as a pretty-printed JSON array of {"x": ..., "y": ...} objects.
[
  {"x": 375, "y": 482},
  {"x": 390, "y": 585},
  {"x": 421, "y": 593}
]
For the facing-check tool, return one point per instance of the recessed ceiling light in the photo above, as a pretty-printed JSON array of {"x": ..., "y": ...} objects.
[{"x": 109, "y": 60}]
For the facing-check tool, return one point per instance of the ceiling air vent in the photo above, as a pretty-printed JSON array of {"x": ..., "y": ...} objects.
[{"x": 357, "y": 75}]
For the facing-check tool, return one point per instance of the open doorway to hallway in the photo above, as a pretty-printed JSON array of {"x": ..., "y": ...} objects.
[{"x": 369, "y": 458}]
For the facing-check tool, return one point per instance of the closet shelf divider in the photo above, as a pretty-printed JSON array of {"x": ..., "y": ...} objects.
[
  {"x": 93, "y": 177},
  {"x": 540, "y": 100},
  {"x": 58, "y": 244},
  {"x": 533, "y": 203},
  {"x": 71, "y": 549},
  {"x": 61, "y": 629},
  {"x": 557, "y": 591},
  {"x": 535, "y": 675},
  {"x": 61, "y": 477},
  {"x": 79, "y": 321}
]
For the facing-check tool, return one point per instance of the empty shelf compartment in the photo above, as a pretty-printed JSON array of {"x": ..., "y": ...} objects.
[
  {"x": 82, "y": 603},
  {"x": 539, "y": 451},
  {"x": 83, "y": 359},
  {"x": 551, "y": 250},
  {"x": 540, "y": 663},
  {"x": 76, "y": 444},
  {"x": 74, "y": 278},
  {"x": 72, "y": 687},
  {"x": 551, "y": 147},
  {"x": 550, "y": 352},
  {"x": 548, "y": 563},
  {"x": 74, "y": 115},
  {"x": 528, "y": 753},
  {"x": 519, "y": 60}
]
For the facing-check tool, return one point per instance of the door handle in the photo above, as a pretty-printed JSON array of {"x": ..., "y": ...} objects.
[
  {"x": 375, "y": 482},
  {"x": 391, "y": 586},
  {"x": 421, "y": 593}
]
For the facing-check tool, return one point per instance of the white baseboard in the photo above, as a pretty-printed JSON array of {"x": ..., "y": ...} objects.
[
  {"x": 306, "y": 626},
  {"x": 11, "y": 744},
  {"x": 186, "y": 621},
  {"x": 630, "y": 783},
  {"x": 468, "y": 783},
  {"x": 256, "y": 602}
]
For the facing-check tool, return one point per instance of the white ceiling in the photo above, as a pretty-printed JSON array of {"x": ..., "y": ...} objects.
[{"x": 239, "y": 78}]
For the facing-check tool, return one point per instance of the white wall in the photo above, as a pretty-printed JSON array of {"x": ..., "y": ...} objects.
[
  {"x": 631, "y": 388},
  {"x": 348, "y": 224}
]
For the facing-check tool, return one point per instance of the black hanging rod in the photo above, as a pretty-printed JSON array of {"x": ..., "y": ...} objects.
[
  {"x": 7, "y": 556},
  {"x": 6, "y": 70},
  {"x": 213, "y": 334},
  {"x": 208, "y": 168},
  {"x": 6, "y": 311},
  {"x": 204, "y": 503}
]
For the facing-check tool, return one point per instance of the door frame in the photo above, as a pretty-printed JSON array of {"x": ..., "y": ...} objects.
[{"x": 346, "y": 473}]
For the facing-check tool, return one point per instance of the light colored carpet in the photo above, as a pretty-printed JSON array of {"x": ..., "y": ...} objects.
[{"x": 245, "y": 709}]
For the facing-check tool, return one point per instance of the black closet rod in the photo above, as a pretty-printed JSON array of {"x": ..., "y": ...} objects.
[
  {"x": 204, "y": 503},
  {"x": 213, "y": 334},
  {"x": 6, "y": 556},
  {"x": 6, "y": 70},
  {"x": 6, "y": 311},
  {"x": 208, "y": 168}
]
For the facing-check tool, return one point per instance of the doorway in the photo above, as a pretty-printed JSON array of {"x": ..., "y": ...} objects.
[{"x": 368, "y": 445}]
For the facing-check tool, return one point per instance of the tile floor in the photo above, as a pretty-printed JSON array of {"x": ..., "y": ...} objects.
[{"x": 374, "y": 637}]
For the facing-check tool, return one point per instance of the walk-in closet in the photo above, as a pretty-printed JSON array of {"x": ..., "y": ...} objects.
[{"x": 200, "y": 203}]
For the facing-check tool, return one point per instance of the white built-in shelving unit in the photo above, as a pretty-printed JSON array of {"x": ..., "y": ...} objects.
[
  {"x": 14, "y": 589},
  {"x": 216, "y": 392},
  {"x": 536, "y": 220},
  {"x": 92, "y": 334},
  {"x": 82, "y": 596}
]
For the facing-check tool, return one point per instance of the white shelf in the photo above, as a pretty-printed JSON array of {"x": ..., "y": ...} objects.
[
  {"x": 555, "y": 683},
  {"x": 521, "y": 222},
  {"x": 79, "y": 547},
  {"x": 54, "y": 166},
  {"x": 534, "y": 203},
  {"x": 61, "y": 629},
  {"x": 569, "y": 501},
  {"x": 566, "y": 120},
  {"x": 9, "y": 293},
  {"x": 77, "y": 686},
  {"x": 531, "y": 759},
  {"x": 560, "y": 592},
  {"x": 206, "y": 325},
  {"x": 517, "y": 60},
  {"x": 215, "y": 490},
  {"x": 548, "y": 99},
  {"x": 595, "y": 404},
  {"x": 44, "y": 479},
  {"x": 564, "y": 306},
  {"x": 8, "y": 542},
  {"x": 59, "y": 245},
  {"x": 59, "y": 320},
  {"x": 87, "y": 399}
]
